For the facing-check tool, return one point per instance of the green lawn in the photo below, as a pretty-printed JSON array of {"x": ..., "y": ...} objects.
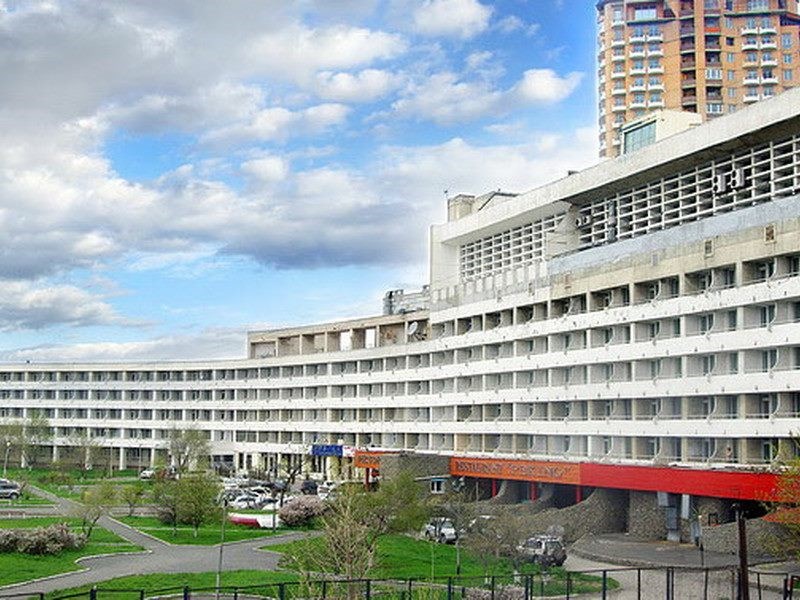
[
  {"x": 71, "y": 483},
  {"x": 206, "y": 535},
  {"x": 403, "y": 557},
  {"x": 174, "y": 581},
  {"x": 16, "y": 567}
]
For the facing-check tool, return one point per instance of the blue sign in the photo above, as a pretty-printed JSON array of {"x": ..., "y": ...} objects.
[{"x": 326, "y": 450}]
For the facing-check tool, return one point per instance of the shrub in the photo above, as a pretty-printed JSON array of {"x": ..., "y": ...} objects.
[
  {"x": 41, "y": 540},
  {"x": 301, "y": 510}
]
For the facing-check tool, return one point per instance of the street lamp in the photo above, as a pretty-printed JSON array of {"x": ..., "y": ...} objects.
[
  {"x": 5, "y": 459},
  {"x": 221, "y": 544}
]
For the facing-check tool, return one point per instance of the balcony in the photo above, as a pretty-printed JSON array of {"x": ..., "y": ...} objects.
[
  {"x": 688, "y": 100},
  {"x": 751, "y": 81},
  {"x": 767, "y": 31},
  {"x": 636, "y": 54},
  {"x": 687, "y": 31},
  {"x": 769, "y": 63},
  {"x": 655, "y": 70},
  {"x": 617, "y": 109},
  {"x": 688, "y": 83},
  {"x": 687, "y": 48},
  {"x": 618, "y": 91},
  {"x": 688, "y": 64},
  {"x": 769, "y": 45},
  {"x": 656, "y": 104},
  {"x": 769, "y": 80},
  {"x": 749, "y": 45},
  {"x": 749, "y": 30},
  {"x": 637, "y": 39},
  {"x": 752, "y": 98}
]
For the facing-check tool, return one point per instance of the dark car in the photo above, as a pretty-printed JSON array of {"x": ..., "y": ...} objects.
[
  {"x": 309, "y": 487},
  {"x": 9, "y": 490}
]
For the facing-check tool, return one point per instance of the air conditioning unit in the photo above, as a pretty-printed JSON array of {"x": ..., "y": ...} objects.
[{"x": 720, "y": 184}]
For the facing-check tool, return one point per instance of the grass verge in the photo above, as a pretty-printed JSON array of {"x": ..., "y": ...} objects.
[
  {"x": 175, "y": 581},
  {"x": 16, "y": 567},
  {"x": 207, "y": 535},
  {"x": 403, "y": 557}
]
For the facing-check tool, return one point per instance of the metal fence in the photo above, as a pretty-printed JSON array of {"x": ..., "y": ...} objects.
[{"x": 623, "y": 583}]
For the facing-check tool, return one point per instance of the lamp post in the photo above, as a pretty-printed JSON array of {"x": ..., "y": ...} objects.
[
  {"x": 221, "y": 545},
  {"x": 5, "y": 459}
]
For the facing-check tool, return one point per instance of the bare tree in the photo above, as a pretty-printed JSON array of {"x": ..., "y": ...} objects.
[
  {"x": 87, "y": 447},
  {"x": 132, "y": 495},
  {"x": 95, "y": 502}
]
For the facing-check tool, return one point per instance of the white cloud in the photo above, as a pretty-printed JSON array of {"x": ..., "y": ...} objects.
[
  {"x": 546, "y": 86},
  {"x": 510, "y": 24},
  {"x": 451, "y": 18},
  {"x": 365, "y": 86},
  {"x": 208, "y": 344},
  {"x": 280, "y": 123},
  {"x": 24, "y": 305},
  {"x": 446, "y": 99},
  {"x": 268, "y": 169}
]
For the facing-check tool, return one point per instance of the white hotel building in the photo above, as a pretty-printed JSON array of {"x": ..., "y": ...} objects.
[{"x": 635, "y": 326}]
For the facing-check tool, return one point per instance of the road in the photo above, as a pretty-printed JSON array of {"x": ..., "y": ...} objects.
[{"x": 158, "y": 556}]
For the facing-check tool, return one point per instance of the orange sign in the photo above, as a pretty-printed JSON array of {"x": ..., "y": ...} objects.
[
  {"x": 522, "y": 470},
  {"x": 367, "y": 460}
]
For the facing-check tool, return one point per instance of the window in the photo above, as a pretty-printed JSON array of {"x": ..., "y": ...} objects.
[
  {"x": 766, "y": 314},
  {"x": 707, "y": 364},
  {"x": 751, "y": 23},
  {"x": 654, "y": 63},
  {"x": 654, "y": 80},
  {"x": 729, "y": 41},
  {"x": 655, "y": 96},
  {"x": 750, "y": 57},
  {"x": 766, "y": 57},
  {"x": 769, "y": 359},
  {"x": 645, "y": 13},
  {"x": 767, "y": 73},
  {"x": 786, "y": 40},
  {"x": 705, "y": 322},
  {"x": 639, "y": 137},
  {"x": 766, "y": 22},
  {"x": 787, "y": 59},
  {"x": 617, "y": 14},
  {"x": 731, "y": 75},
  {"x": 787, "y": 74},
  {"x": 714, "y": 109},
  {"x": 713, "y": 73},
  {"x": 654, "y": 31},
  {"x": 731, "y": 57},
  {"x": 731, "y": 92},
  {"x": 638, "y": 98},
  {"x": 757, "y": 5}
]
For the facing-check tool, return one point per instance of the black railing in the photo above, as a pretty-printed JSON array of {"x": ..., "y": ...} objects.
[{"x": 670, "y": 583}]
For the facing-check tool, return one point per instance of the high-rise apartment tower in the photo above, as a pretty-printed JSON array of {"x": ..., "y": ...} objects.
[{"x": 710, "y": 57}]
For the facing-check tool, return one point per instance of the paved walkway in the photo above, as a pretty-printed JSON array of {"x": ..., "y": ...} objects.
[
  {"x": 158, "y": 557},
  {"x": 623, "y": 557}
]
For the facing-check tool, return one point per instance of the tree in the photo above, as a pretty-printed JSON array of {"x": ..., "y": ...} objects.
[
  {"x": 10, "y": 434},
  {"x": 188, "y": 448},
  {"x": 454, "y": 506},
  {"x": 786, "y": 508},
  {"x": 132, "y": 495},
  {"x": 165, "y": 499},
  {"x": 95, "y": 502},
  {"x": 32, "y": 436},
  {"x": 196, "y": 499},
  {"x": 87, "y": 447},
  {"x": 353, "y": 524},
  {"x": 489, "y": 538}
]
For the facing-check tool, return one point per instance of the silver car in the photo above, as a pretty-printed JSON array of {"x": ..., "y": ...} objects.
[{"x": 440, "y": 530}]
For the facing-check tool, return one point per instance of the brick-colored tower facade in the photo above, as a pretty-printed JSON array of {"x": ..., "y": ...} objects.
[{"x": 705, "y": 56}]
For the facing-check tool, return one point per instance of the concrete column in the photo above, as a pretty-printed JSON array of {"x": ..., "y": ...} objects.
[
  {"x": 55, "y": 453},
  {"x": 122, "y": 464},
  {"x": 152, "y": 458}
]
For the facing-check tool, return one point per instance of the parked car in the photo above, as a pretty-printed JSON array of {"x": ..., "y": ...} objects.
[
  {"x": 546, "y": 550},
  {"x": 309, "y": 487},
  {"x": 440, "y": 529},
  {"x": 147, "y": 474},
  {"x": 10, "y": 490}
]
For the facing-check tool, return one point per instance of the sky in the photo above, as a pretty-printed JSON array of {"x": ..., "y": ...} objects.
[{"x": 174, "y": 173}]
